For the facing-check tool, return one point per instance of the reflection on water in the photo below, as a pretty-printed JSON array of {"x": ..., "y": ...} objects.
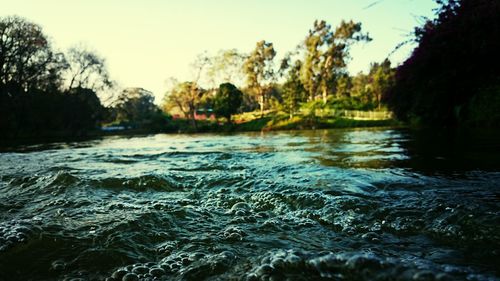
[{"x": 370, "y": 204}]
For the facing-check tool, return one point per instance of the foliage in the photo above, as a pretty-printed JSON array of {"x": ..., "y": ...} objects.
[
  {"x": 326, "y": 55},
  {"x": 457, "y": 55},
  {"x": 321, "y": 73},
  {"x": 293, "y": 91},
  {"x": 348, "y": 103},
  {"x": 258, "y": 68},
  {"x": 361, "y": 88},
  {"x": 186, "y": 97},
  {"x": 41, "y": 88},
  {"x": 225, "y": 67},
  {"x": 135, "y": 107},
  {"x": 32, "y": 99},
  {"x": 27, "y": 60},
  {"x": 227, "y": 100},
  {"x": 86, "y": 70},
  {"x": 482, "y": 110},
  {"x": 40, "y": 113},
  {"x": 382, "y": 79},
  {"x": 249, "y": 102}
]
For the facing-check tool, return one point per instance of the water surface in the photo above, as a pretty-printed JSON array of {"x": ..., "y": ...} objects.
[{"x": 369, "y": 204}]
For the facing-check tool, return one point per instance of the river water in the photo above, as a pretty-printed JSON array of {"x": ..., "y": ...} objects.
[{"x": 357, "y": 204}]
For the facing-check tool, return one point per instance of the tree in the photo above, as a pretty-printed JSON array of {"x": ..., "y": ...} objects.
[
  {"x": 326, "y": 55},
  {"x": 293, "y": 91},
  {"x": 343, "y": 86},
  {"x": 227, "y": 100},
  {"x": 31, "y": 99},
  {"x": 362, "y": 88},
  {"x": 456, "y": 58},
  {"x": 84, "y": 109},
  {"x": 258, "y": 68},
  {"x": 186, "y": 97},
  {"x": 225, "y": 67},
  {"x": 136, "y": 107},
  {"x": 382, "y": 78},
  {"x": 86, "y": 70},
  {"x": 26, "y": 57}
]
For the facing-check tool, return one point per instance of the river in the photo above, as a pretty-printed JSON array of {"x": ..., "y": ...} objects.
[{"x": 353, "y": 204}]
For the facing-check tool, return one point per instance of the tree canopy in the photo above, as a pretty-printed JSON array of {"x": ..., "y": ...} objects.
[
  {"x": 33, "y": 99},
  {"x": 325, "y": 55},
  {"x": 227, "y": 100},
  {"x": 259, "y": 71},
  {"x": 456, "y": 62},
  {"x": 86, "y": 70},
  {"x": 27, "y": 60}
]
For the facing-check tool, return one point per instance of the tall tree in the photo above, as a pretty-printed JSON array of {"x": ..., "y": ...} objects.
[
  {"x": 457, "y": 56},
  {"x": 86, "y": 70},
  {"x": 225, "y": 67},
  {"x": 382, "y": 79},
  {"x": 26, "y": 57},
  {"x": 293, "y": 91},
  {"x": 343, "y": 86},
  {"x": 362, "y": 88},
  {"x": 258, "y": 68},
  {"x": 326, "y": 53}
]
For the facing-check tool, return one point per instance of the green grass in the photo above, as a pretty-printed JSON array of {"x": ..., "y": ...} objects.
[
  {"x": 273, "y": 121},
  {"x": 279, "y": 121}
]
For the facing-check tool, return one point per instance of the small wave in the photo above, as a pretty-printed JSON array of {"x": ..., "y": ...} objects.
[{"x": 141, "y": 183}]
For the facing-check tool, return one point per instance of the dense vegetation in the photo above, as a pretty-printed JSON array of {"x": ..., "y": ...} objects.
[
  {"x": 227, "y": 100},
  {"x": 44, "y": 92},
  {"x": 452, "y": 78},
  {"x": 312, "y": 78}
]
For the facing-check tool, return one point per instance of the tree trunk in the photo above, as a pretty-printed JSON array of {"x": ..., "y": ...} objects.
[
  {"x": 324, "y": 94},
  {"x": 261, "y": 102},
  {"x": 193, "y": 121}
]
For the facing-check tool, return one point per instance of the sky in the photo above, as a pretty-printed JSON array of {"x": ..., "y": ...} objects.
[{"x": 146, "y": 42}]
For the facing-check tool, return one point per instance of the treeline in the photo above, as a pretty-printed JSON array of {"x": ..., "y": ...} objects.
[
  {"x": 44, "y": 92},
  {"x": 452, "y": 78},
  {"x": 313, "y": 76}
]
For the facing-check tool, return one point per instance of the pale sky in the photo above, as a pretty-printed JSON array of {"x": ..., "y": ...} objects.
[{"x": 146, "y": 42}]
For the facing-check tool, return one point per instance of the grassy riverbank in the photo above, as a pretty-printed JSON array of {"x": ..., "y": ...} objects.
[{"x": 274, "y": 121}]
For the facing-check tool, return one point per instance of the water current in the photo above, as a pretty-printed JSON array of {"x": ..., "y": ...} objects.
[{"x": 357, "y": 204}]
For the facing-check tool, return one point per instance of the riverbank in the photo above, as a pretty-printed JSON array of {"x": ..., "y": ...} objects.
[
  {"x": 246, "y": 122},
  {"x": 272, "y": 121}
]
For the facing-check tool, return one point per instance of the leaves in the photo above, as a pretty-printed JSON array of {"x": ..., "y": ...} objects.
[
  {"x": 227, "y": 100},
  {"x": 258, "y": 68},
  {"x": 326, "y": 55}
]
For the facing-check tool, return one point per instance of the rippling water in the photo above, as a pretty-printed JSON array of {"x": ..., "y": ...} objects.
[{"x": 377, "y": 204}]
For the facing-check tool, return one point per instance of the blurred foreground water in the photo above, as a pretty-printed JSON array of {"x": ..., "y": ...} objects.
[{"x": 358, "y": 204}]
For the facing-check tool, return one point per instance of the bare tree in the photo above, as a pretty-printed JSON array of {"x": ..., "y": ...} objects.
[{"x": 87, "y": 70}]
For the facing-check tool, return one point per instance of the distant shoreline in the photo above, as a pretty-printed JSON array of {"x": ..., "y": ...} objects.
[{"x": 260, "y": 124}]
